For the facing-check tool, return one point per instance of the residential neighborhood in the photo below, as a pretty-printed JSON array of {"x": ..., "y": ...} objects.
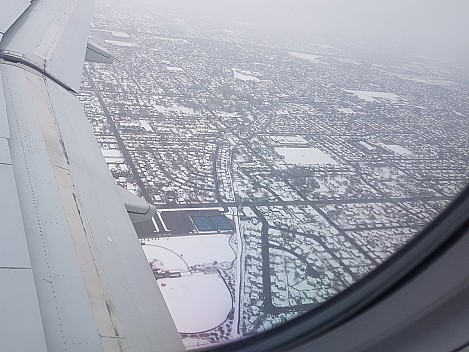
[{"x": 307, "y": 163}]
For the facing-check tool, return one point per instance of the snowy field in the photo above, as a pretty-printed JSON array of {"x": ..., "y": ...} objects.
[
  {"x": 146, "y": 125},
  {"x": 182, "y": 109},
  {"x": 174, "y": 108},
  {"x": 200, "y": 249},
  {"x": 396, "y": 149},
  {"x": 164, "y": 258},
  {"x": 172, "y": 39},
  {"x": 119, "y": 43},
  {"x": 366, "y": 145},
  {"x": 305, "y": 156},
  {"x": 245, "y": 75},
  {"x": 371, "y": 96},
  {"x": 197, "y": 302},
  {"x": 174, "y": 69},
  {"x": 120, "y": 34},
  {"x": 305, "y": 56},
  {"x": 286, "y": 140},
  {"x": 228, "y": 114},
  {"x": 112, "y": 155},
  {"x": 346, "y": 110}
]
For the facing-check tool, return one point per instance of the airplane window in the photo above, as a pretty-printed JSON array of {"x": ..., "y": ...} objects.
[{"x": 289, "y": 149}]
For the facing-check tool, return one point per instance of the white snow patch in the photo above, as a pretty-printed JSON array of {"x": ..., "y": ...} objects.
[
  {"x": 118, "y": 43},
  {"x": 160, "y": 109},
  {"x": 396, "y": 149},
  {"x": 163, "y": 258},
  {"x": 288, "y": 140},
  {"x": 303, "y": 286},
  {"x": 306, "y": 56},
  {"x": 245, "y": 75},
  {"x": 366, "y": 145},
  {"x": 146, "y": 125},
  {"x": 182, "y": 109},
  {"x": 346, "y": 110},
  {"x": 201, "y": 249},
  {"x": 120, "y": 34},
  {"x": 112, "y": 155},
  {"x": 197, "y": 302},
  {"x": 174, "y": 69},
  {"x": 305, "y": 156},
  {"x": 229, "y": 114},
  {"x": 172, "y": 39},
  {"x": 371, "y": 96}
]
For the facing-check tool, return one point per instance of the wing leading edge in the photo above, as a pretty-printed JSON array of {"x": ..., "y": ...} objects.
[{"x": 73, "y": 265}]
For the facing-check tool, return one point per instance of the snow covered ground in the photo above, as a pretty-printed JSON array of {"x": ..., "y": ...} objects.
[
  {"x": 346, "y": 110},
  {"x": 119, "y": 43},
  {"x": 199, "y": 249},
  {"x": 228, "y": 114},
  {"x": 371, "y": 96},
  {"x": 112, "y": 155},
  {"x": 182, "y": 109},
  {"x": 164, "y": 259},
  {"x": 146, "y": 125},
  {"x": 245, "y": 75},
  {"x": 305, "y": 156},
  {"x": 286, "y": 140},
  {"x": 120, "y": 34},
  {"x": 174, "y": 69},
  {"x": 396, "y": 149},
  {"x": 172, "y": 39},
  {"x": 366, "y": 145},
  {"x": 305, "y": 56},
  {"x": 197, "y": 302}
]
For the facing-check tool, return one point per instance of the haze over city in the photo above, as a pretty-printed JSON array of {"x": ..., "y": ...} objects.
[{"x": 433, "y": 27}]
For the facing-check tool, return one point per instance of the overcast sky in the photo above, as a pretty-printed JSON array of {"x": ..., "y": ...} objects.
[{"x": 428, "y": 27}]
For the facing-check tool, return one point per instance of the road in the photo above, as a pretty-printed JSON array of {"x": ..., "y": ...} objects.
[{"x": 261, "y": 203}]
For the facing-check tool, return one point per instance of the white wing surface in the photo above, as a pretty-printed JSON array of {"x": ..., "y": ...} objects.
[
  {"x": 73, "y": 273},
  {"x": 10, "y": 11}
]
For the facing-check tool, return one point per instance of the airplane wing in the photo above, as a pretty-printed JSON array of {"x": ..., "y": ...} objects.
[{"x": 73, "y": 273}]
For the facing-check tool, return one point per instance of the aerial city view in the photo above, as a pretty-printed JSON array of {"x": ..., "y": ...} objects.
[{"x": 282, "y": 170}]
